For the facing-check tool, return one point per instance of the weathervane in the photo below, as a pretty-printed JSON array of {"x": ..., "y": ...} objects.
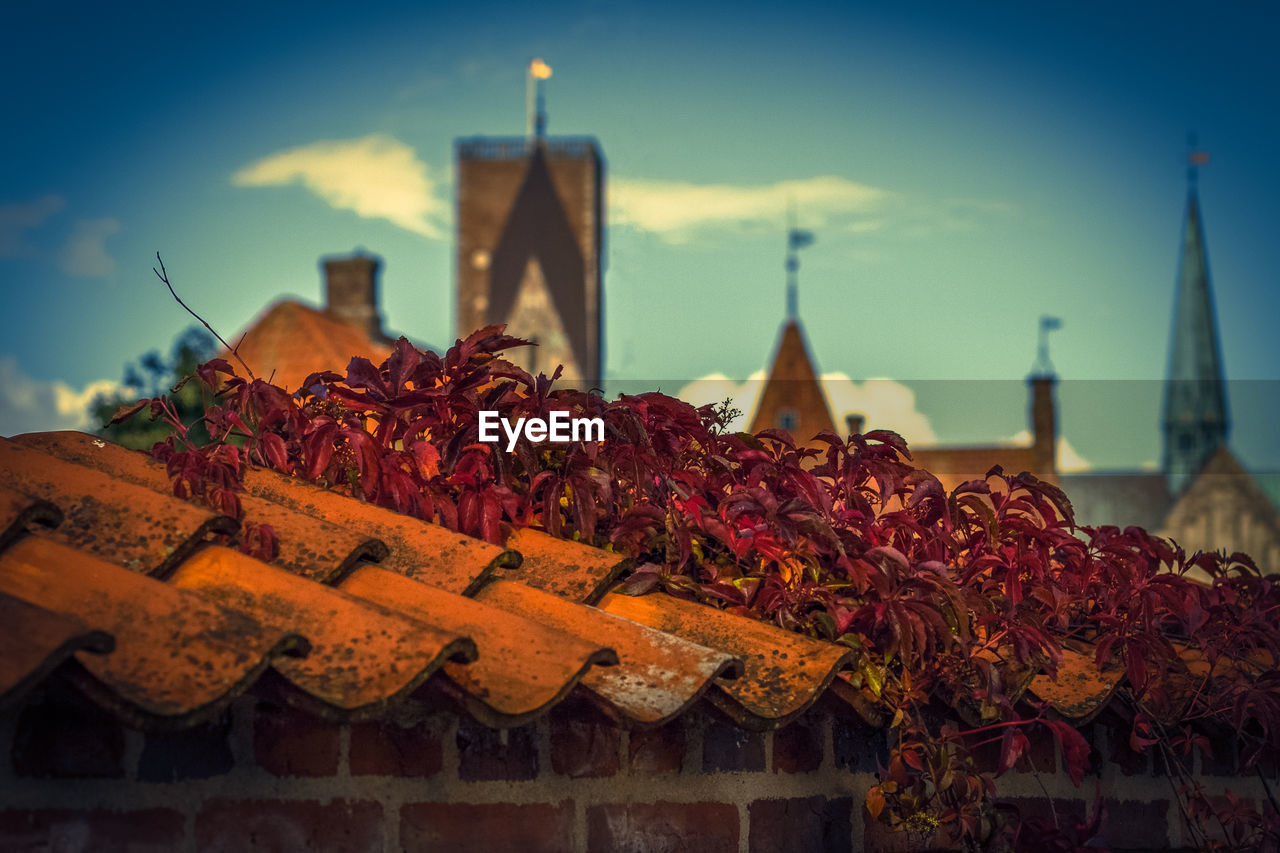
[
  {"x": 1043, "y": 366},
  {"x": 796, "y": 239},
  {"x": 535, "y": 114}
]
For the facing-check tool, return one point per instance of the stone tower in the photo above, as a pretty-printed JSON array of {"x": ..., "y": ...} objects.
[
  {"x": 530, "y": 248},
  {"x": 1195, "y": 397}
]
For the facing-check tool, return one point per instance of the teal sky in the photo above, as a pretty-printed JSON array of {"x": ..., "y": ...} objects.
[{"x": 965, "y": 170}]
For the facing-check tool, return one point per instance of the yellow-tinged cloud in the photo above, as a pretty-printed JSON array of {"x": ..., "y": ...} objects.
[
  {"x": 32, "y": 405},
  {"x": 375, "y": 177},
  {"x": 673, "y": 208}
]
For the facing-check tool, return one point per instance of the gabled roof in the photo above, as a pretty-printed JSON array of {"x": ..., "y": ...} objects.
[
  {"x": 290, "y": 340},
  {"x": 1223, "y": 486},
  {"x": 1123, "y": 498},
  {"x": 793, "y": 385}
]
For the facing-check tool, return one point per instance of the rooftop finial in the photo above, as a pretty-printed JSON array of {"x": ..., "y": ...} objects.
[
  {"x": 1043, "y": 366},
  {"x": 1196, "y": 157},
  {"x": 535, "y": 112},
  {"x": 796, "y": 239}
]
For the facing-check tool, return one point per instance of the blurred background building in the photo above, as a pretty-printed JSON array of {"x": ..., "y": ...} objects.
[{"x": 529, "y": 248}]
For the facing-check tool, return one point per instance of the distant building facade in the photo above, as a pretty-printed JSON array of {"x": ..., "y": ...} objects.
[
  {"x": 530, "y": 249},
  {"x": 793, "y": 399}
]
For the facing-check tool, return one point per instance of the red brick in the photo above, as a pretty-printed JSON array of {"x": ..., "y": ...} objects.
[
  {"x": 487, "y": 755},
  {"x": 199, "y": 752},
  {"x": 386, "y": 749},
  {"x": 1135, "y": 825},
  {"x": 339, "y": 826},
  {"x": 1068, "y": 812},
  {"x": 289, "y": 742},
  {"x": 583, "y": 743},
  {"x": 727, "y": 748},
  {"x": 662, "y": 828},
  {"x": 657, "y": 750},
  {"x": 63, "y": 736},
  {"x": 858, "y": 747},
  {"x": 487, "y": 828},
  {"x": 797, "y": 748},
  {"x": 802, "y": 825},
  {"x": 149, "y": 831}
]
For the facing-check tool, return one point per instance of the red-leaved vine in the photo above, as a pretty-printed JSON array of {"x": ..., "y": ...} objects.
[{"x": 954, "y": 596}]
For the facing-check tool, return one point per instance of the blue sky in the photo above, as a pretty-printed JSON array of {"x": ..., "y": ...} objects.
[{"x": 966, "y": 168}]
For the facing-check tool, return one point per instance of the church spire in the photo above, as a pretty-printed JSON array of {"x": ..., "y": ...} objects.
[{"x": 1195, "y": 396}]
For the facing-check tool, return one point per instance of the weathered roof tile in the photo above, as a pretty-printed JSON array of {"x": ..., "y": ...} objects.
[
  {"x": 35, "y": 642},
  {"x": 784, "y": 671},
  {"x": 178, "y": 657},
  {"x": 658, "y": 676},
  {"x": 363, "y": 655},
  {"x": 523, "y": 668}
]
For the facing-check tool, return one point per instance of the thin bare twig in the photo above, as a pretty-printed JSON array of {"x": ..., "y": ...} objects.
[
  {"x": 1052, "y": 811},
  {"x": 163, "y": 275}
]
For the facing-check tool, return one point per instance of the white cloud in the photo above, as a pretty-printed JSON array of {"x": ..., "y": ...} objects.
[
  {"x": 85, "y": 252},
  {"x": 17, "y": 219},
  {"x": 1069, "y": 459},
  {"x": 716, "y": 387},
  {"x": 375, "y": 177},
  {"x": 884, "y": 403},
  {"x": 31, "y": 405},
  {"x": 673, "y": 209}
]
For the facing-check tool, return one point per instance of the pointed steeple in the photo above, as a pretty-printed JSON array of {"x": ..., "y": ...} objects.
[
  {"x": 792, "y": 398},
  {"x": 1195, "y": 396}
]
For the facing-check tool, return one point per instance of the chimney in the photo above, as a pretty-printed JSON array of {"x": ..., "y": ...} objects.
[
  {"x": 351, "y": 292},
  {"x": 855, "y": 424},
  {"x": 1044, "y": 425}
]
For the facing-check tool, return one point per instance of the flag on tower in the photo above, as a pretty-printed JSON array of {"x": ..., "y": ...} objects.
[{"x": 798, "y": 239}]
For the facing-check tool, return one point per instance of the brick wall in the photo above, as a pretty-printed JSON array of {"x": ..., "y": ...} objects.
[{"x": 265, "y": 777}]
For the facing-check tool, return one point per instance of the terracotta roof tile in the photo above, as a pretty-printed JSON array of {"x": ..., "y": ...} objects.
[
  {"x": 178, "y": 657},
  {"x": 784, "y": 672},
  {"x": 524, "y": 666},
  {"x": 363, "y": 655},
  {"x": 289, "y": 341},
  {"x": 35, "y": 642},
  {"x": 110, "y": 518},
  {"x": 567, "y": 569},
  {"x": 425, "y": 552},
  {"x": 658, "y": 676},
  {"x": 1080, "y": 690},
  {"x": 309, "y": 546},
  {"x": 20, "y": 512}
]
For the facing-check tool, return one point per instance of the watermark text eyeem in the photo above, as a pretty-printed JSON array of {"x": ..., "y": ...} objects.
[{"x": 559, "y": 428}]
